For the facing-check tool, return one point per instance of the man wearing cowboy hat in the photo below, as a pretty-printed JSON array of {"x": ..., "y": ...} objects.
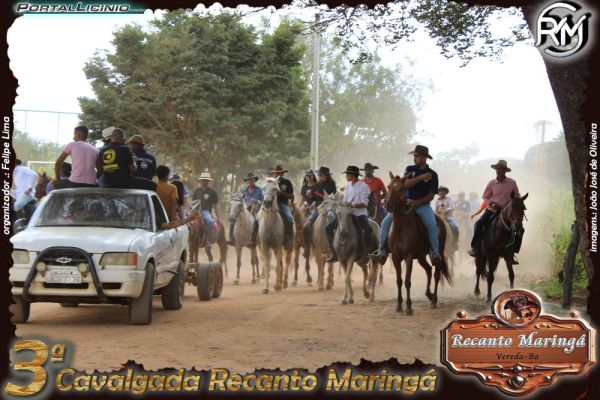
[
  {"x": 497, "y": 195},
  {"x": 357, "y": 193},
  {"x": 253, "y": 197},
  {"x": 324, "y": 186},
  {"x": 208, "y": 201},
  {"x": 285, "y": 195},
  {"x": 146, "y": 163},
  {"x": 421, "y": 187},
  {"x": 444, "y": 206},
  {"x": 377, "y": 188}
]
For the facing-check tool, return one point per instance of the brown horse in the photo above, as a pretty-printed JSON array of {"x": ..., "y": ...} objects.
[
  {"x": 408, "y": 241},
  {"x": 497, "y": 242},
  {"x": 197, "y": 239},
  {"x": 40, "y": 187},
  {"x": 299, "y": 219}
]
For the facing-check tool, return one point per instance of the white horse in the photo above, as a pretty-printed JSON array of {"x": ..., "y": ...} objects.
[
  {"x": 270, "y": 237},
  {"x": 320, "y": 244},
  {"x": 242, "y": 234}
]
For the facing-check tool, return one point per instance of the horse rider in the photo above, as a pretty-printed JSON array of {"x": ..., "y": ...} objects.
[
  {"x": 445, "y": 206},
  {"x": 252, "y": 196},
  {"x": 497, "y": 195},
  {"x": 462, "y": 211},
  {"x": 308, "y": 188},
  {"x": 357, "y": 193},
  {"x": 324, "y": 186},
  {"x": 146, "y": 163},
  {"x": 377, "y": 188},
  {"x": 208, "y": 201},
  {"x": 421, "y": 187},
  {"x": 83, "y": 156},
  {"x": 285, "y": 195}
]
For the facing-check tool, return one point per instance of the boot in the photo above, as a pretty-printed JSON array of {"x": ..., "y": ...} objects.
[
  {"x": 288, "y": 236},
  {"x": 231, "y": 240},
  {"x": 307, "y": 233},
  {"x": 364, "y": 254},
  {"x": 333, "y": 257},
  {"x": 436, "y": 259},
  {"x": 380, "y": 255}
]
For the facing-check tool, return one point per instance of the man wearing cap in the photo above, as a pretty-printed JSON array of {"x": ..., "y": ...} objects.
[
  {"x": 357, "y": 193},
  {"x": 208, "y": 201},
  {"x": 324, "y": 186},
  {"x": 497, "y": 195},
  {"x": 145, "y": 162},
  {"x": 445, "y": 206},
  {"x": 421, "y": 186},
  {"x": 252, "y": 196},
  {"x": 377, "y": 188},
  {"x": 83, "y": 160}
]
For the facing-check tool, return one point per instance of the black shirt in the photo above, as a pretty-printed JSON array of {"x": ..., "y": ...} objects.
[
  {"x": 146, "y": 164},
  {"x": 422, "y": 188},
  {"x": 180, "y": 191},
  {"x": 308, "y": 192},
  {"x": 208, "y": 198},
  {"x": 285, "y": 185},
  {"x": 116, "y": 159},
  {"x": 322, "y": 188}
]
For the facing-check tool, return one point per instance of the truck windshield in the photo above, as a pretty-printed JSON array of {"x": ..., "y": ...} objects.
[{"x": 95, "y": 209}]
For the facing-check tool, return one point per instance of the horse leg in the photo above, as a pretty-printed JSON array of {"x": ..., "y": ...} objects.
[
  {"x": 329, "y": 277},
  {"x": 511, "y": 273},
  {"x": 437, "y": 275},
  {"x": 296, "y": 264},
  {"x": 255, "y": 262},
  {"x": 209, "y": 253},
  {"x": 427, "y": 268},
  {"x": 366, "y": 278},
  {"x": 398, "y": 267},
  {"x": 288, "y": 261},
  {"x": 492, "y": 264},
  {"x": 238, "y": 253},
  {"x": 480, "y": 262},
  {"x": 266, "y": 256},
  {"x": 407, "y": 285},
  {"x": 346, "y": 281},
  {"x": 381, "y": 275},
  {"x": 307, "y": 267},
  {"x": 278, "y": 269},
  {"x": 349, "y": 280}
]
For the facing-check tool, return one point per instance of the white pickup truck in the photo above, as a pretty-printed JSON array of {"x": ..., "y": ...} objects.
[{"x": 90, "y": 245}]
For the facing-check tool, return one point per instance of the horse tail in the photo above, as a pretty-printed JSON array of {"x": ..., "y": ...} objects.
[
  {"x": 445, "y": 271},
  {"x": 481, "y": 267},
  {"x": 222, "y": 246}
]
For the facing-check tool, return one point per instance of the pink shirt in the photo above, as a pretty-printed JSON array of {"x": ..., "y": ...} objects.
[
  {"x": 83, "y": 160},
  {"x": 500, "y": 192}
]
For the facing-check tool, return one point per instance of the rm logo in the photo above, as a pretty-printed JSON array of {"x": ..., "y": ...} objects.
[{"x": 557, "y": 23}]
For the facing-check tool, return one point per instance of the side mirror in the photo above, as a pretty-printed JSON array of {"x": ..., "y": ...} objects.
[{"x": 20, "y": 225}]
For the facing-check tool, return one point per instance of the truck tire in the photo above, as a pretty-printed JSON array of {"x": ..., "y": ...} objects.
[
  {"x": 218, "y": 281},
  {"x": 140, "y": 309},
  {"x": 172, "y": 294},
  {"x": 21, "y": 310},
  {"x": 205, "y": 276}
]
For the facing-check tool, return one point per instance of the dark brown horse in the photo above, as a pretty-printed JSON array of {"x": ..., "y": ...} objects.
[
  {"x": 40, "y": 187},
  {"x": 408, "y": 241},
  {"x": 197, "y": 239},
  {"x": 497, "y": 242}
]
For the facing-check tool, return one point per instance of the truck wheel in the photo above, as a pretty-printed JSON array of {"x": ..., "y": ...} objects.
[
  {"x": 69, "y": 305},
  {"x": 205, "y": 276},
  {"x": 20, "y": 310},
  {"x": 140, "y": 309},
  {"x": 172, "y": 294},
  {"x": 218, "y": 281}
]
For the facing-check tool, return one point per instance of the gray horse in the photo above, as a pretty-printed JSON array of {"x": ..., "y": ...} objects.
[
  {"x": 346, "y": 245},
  {"x": 242, "y": 233},
  {"x": 320, "y": 245},
  {"x": 270, "y": 237}
]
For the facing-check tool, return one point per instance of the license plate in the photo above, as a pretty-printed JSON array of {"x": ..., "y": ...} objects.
[{"x": 63, "y": 276}]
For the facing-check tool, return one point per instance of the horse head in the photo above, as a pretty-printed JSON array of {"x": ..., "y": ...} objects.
[
  {"x": 270, "y": 192},
  {"x": 327, "y": 207},
  {"x": 344, "y": 217},
  {"x": 236, "y": 205},
  {"x": 396, "y": 199},
  {"x": 516, "y": 211}
]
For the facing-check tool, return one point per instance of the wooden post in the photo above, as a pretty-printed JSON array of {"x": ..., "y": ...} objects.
[{"x": 569, "y": 267}]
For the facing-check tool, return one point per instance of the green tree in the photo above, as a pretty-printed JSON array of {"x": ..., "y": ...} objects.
[
  {"x": 207, "y": 92},
  {"x": 28, "y": 148}
]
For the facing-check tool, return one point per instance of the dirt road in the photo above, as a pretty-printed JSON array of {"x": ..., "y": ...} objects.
[{"x": 244, "y": 329}]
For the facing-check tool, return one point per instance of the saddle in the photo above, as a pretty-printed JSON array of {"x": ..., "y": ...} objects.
[{"x": 372, "y": 245}]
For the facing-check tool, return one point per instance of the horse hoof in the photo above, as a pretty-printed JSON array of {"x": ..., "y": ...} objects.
[
  {"x": 381, "y": 282},
  {"x": 399, "y": 308},
  {"x": 409, "y": 311},
  {"x": 344, "y": 302},
  {"x": 370, "y": 285},
  {"x": 309, "y": 280},
  {"x": 265, "y": 291},
  {"x": 434, "y": 305},
  {"x": 351, "y": 301},
  {"x": 236, "y": 282},
  {"x": 253, "y": 281},
  {"x": 429, "y": 296},
  {"x": 294, "y": 284},
  {"x": 477, "y": 293},
  {"x": 309, "y": 284},
  {"x": 321, "y": 289}
]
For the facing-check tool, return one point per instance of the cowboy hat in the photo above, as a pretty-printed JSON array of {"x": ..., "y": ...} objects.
[
  {"x": 278, "y": 169},
  {"x": 309, "y": 172},
  {"x": 369, "y": 166},
  {"x": 422, "y": 151},
  {"x": 106, "y": 132},
  {"x": 204, "y": 176},
  {"x": 251, "y": 176},
  {"x": 136, "y": 139},
  {"x": 444, "y": 188},
  {"x": 501, "y": 164},
  {"x": 352, "y": 169},
  {"x": 323, "y": 171}
]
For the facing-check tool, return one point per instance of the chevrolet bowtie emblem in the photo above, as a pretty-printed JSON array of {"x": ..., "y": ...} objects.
[{"x": 63, "y": 260}]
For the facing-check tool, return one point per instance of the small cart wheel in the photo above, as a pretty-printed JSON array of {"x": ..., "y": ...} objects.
[
  {"x": 218, "y": 281},
  {"x": 205, "y": 277}
]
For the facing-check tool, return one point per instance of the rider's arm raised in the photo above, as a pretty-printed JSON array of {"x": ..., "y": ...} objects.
[{"x": 412, "y": 182}]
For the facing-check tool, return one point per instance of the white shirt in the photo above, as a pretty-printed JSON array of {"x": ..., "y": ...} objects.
[
  {"x": 446, "y": 203},
  {"x": 23, "y": 179},
  {"x": 357, "y": 194}
]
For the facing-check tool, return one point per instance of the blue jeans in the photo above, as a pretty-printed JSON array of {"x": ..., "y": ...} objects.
[
  {"x": 453, "y": 224},
  {"x": 208, "y": 223},
  {"x": 425, "y": 212},
  {"x": 285, "y": 211},
  {"x": 381, "y": 210},
  {"x": 386, "y": 225}
]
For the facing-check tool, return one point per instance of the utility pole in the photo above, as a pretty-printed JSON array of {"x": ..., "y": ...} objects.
[{"x": 314, "y": 134}]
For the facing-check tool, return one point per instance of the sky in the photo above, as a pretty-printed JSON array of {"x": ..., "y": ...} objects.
[{"x": 491, "y": 104}]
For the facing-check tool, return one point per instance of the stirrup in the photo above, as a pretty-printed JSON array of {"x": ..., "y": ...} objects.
[{"x": 515, "y": 260}]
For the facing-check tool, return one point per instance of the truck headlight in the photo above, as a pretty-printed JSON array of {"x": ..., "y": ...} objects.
[
  {"x": 119, "y": 259},
  {"x": 20, "y": 257}
]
